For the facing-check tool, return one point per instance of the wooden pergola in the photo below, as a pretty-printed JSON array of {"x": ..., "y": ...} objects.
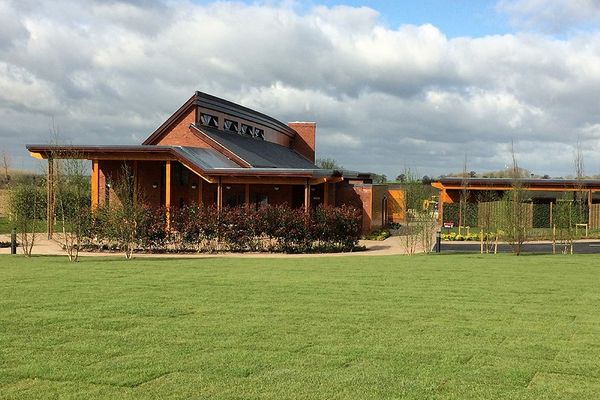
[
  {"x": 168, "y": 155},
  {"x": 451, "y": 188}
]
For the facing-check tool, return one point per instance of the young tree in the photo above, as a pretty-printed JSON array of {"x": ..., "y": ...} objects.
[
  {"x": 27, "y": 203},
  {"x": 580, "y": 195},
  {"x": 122, "y": 219},
  {"x": 562, "y": 224},
  {"x": 6, "y": 166},
  {"x": 489, "y": 219},
  {"x": 517, "y": 214},
  {"x": 72, "y": 201},
  {"x": 420, "y": 222},
  {"x": 464, "y": 195}
]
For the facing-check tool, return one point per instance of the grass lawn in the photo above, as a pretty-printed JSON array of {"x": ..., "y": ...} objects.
[
  {"x": 426, "y": 327},
  {"x": 5, "y": 225}
]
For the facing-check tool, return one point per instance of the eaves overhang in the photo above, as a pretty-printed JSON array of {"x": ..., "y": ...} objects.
[{"x": 165, "y": 153}]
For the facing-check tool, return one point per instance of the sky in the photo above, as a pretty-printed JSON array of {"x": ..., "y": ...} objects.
[{"x": 392, "y": 85}]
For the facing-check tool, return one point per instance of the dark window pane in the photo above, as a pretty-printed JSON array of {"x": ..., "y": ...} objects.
[
  {"x": 246, "y": 130},
  {"x": 231, "y": 126},
  {"x": 209, "y": 120}
]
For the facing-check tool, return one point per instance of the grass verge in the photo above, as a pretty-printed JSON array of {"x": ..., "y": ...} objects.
[{"x": 435, "y": 327}]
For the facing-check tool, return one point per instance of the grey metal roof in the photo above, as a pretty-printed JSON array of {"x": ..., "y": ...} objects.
[
  {"x": 258, "y": 153},
  {"x": 206, "y": 159}
]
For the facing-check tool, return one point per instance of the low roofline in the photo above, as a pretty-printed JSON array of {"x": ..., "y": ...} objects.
[
  {"x": 503, "y": 183},
  {"x": 89, "y": 152}
]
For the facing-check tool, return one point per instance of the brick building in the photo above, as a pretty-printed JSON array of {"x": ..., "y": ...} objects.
[{"x": 212, "y": 151}]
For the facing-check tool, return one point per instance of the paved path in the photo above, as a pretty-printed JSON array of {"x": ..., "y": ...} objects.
[{"x": 394, "y": 245}]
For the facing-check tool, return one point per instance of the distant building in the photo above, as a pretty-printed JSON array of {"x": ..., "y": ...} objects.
[{"x": 539, "y": 192}]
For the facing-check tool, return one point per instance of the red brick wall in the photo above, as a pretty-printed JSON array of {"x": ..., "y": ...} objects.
[
  {"x": 110, "y": 171},
  {"x": 151, "y": 173},
  {"x": 181, "y": 135},
  {"x": 304, "y": 142},
  {"x": 365, "y": 197}
]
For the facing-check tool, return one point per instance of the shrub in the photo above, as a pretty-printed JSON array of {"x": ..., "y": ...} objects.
[{"x": 269, "y": 228}]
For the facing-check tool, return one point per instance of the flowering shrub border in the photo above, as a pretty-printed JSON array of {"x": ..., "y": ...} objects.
[{"x": 271, "y": 228}]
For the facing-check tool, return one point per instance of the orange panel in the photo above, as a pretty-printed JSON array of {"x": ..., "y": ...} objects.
[
  {"x": 95, "y": 185},
  {"x": 396, "y": 205},
  {"x": 168, "y": 192}
]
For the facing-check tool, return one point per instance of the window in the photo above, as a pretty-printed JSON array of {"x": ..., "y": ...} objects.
[
  {"x": 231, "y": 126},
  {"x": 209, "y": 120},
  {"x": 180, "y": 175},
  {"x": 246, "y": 130},
  {"x": 259, "y": 133}
]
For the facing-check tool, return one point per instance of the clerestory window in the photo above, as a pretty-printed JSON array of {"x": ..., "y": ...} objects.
[
  {"x": 230, "y": 126},
  {"x": 209, "y": 120},
  {"x": 259, "y": 133},
  {"x": 246, "y": 130}
]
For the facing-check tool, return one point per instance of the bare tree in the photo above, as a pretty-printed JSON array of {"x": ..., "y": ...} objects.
[
  {"x": 26, "y": 205},
  {"x": 464, "y": 194},
  {"x": 123, "y": 219},
  {"x": 73, "y": 209},
  {"x": 420, "y": 221},
  {"x": 580, "y": 195},
  {"x": 6, "y": 166},
  {"x": 517, "y": 214},
  {"x": 489, "y": 219},
  {"x": 562, "y": 224}
]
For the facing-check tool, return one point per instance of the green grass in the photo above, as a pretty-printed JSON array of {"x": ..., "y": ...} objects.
[
  {"x": 5, "y": 226},
  {"x": 426, "y": 327}
]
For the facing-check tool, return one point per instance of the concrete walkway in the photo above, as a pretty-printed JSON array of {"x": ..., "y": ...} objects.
[{"x": 394, "y": 245}]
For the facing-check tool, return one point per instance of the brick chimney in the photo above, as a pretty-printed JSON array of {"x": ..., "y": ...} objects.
[{"x": 304, "y": 142}]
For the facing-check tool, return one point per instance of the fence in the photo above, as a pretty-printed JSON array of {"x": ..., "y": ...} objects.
[
  {"x": 595, "y": 216},
  {"x": 537, "y": 215}
]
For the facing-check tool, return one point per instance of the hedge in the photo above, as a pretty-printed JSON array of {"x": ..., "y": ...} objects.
[{"x": 272, "y": 228}]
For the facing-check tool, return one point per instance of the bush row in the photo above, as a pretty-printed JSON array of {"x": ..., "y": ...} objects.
[{"x": 278, "y": 228}]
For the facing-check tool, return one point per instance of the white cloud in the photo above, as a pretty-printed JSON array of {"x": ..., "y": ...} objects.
[
  {"x": 553, "y": 16},
  {"x": 383, "y": 99}
]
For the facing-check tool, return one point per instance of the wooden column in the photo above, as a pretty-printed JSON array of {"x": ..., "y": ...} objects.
[
  {"x": 247, "y": 195},
  {"x": 50, "y": 198},
  {"x": 95, "y": 184},
  {"x": 589, "y": 221},
  {"x": 219, "y": 195},
  {"x": 168, "y": 192},
  {"x": 440, "y": 206},
  {"x": 326, "y": 195},
  {"x": 307, "y": 197}
]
